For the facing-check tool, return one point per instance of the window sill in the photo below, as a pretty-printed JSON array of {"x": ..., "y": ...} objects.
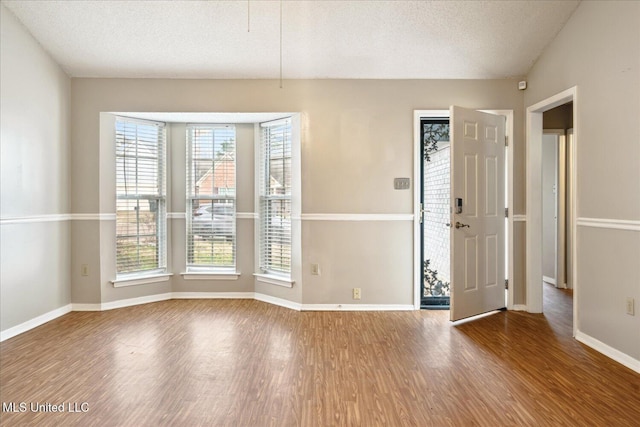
[
  {"x": 273, "y": 279},
  {"x": 141, "y": 280},
  {"x": 211, "y": 275}
]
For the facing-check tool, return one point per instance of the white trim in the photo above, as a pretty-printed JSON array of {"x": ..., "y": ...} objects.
[
  {"x": 274, "y": 280},
  {"x": 549, "y": 280},
  {"x": 135, "y": 301},
  {"x": 519, "y": 218},
  {"x": 572, "y": 213},
  {"x": 358, "y": 307},
  {"x": 509, "y": 162},
  {"x": 34, "y": 323},
  {"x": 141, "y": 280},
  {"x": 246, "y": 215},
  {"x": 34, "y": 219},
  {"x": 212, "y": 295},
  {"x": 94, "y": 217},
  {"x": 210, "y": 275},
  {"x": 176, "y": 215},
  {"x": 519, "y": 307},
  {"x": 57, "y": 217},
  {"x": 278, "y": 301},
  {"x": 617, "y": 224},
  {"x": 617, "y": 355},
  {"x": 356, "y": 217}
]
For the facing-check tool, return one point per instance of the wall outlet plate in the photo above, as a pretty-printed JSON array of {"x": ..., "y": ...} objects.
[
  {"x": 315, "y": 269},
  {"x": 630, "y": 306},
  {"x": 357, "y": 293}
]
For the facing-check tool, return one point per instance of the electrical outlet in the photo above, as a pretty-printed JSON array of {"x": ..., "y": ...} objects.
[
  {"x": 357, "y": 293},
  {"x": 315, "y": 269},
  {"x": 84, "y": 270},
  {"x": 630, "y": 306}
]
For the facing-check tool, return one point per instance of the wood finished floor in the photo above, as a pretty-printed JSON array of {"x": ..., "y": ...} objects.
[{"x": 248, "y": 363}]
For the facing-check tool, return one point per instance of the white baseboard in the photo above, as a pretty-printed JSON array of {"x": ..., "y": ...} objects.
[
  {"x": 358, "y": 307},
  {"x": 135, "y": 301},
  {"x": 278, "y": 301},
  {"x": 35, "y": 322},
  {"x": 122, "y": 303},
  {"x": 519, "y": 307},
  {"x": 617, "y": 355},
  {"x": 24, "y": 327},
  {"x": 550, "y": 280},
  {"x": 212, "y": 295}
]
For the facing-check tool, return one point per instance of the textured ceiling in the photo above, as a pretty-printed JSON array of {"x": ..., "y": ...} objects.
[{"x": 320, "y": 39}]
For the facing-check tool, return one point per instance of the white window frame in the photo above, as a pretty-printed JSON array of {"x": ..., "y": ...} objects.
[
  {"x": 160, "y": 197},
  {"x": 208, "y": 271},
  {"x": 262, "y": 274}
]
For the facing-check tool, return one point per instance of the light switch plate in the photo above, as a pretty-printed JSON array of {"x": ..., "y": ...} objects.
[{"x": 401, "y": 183}]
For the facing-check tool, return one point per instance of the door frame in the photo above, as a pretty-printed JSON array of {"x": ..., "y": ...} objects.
[
  {"x": 534, "y": 130},
  {"x": 417, "y": 157}
]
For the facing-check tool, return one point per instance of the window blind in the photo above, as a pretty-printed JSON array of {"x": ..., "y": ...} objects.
[
  {"x": 140, "y": 196},
  {"x": 275, "y": 197},
  {"x": 211, "y": 197}
]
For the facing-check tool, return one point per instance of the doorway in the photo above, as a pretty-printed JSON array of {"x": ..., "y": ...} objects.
[
  {"x": 437, "y": 286},
  {"x": 435, "y": 167},
  {"x": 556, "y": 218},
  {"x": 535, "y": 199}
]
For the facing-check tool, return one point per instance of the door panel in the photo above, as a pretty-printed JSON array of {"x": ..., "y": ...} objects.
[
  {"x": 470, "y": 184},
  {"x": 471, "y": 264},
  {"x": 477, "y": 233}
]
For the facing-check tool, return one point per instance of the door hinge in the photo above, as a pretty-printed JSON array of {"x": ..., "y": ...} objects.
[
  {"x": 421, "y": 213},
  {"x": 506, "y": 212},
  {"x": 506, "y": 283},
  {"x": 506, "y": 141}
]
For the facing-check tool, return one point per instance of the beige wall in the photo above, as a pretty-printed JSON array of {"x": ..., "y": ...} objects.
[
  {"x": 357, "y": 135},
  {"x": 34, "y": 181},
  {"x": 599, "y": 52}
]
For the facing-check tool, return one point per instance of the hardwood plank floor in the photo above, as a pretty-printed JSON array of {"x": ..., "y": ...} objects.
[{"x": 248, "y": 363}]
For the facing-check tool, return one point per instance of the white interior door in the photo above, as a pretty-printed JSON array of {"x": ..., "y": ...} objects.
[{"x": 477, "y": 218}]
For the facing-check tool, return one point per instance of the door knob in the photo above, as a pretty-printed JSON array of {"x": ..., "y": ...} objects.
[{"x": 461, "y": 225}]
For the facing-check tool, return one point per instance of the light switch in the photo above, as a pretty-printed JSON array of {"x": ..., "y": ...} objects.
[{"x": 401, "y": 183}]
